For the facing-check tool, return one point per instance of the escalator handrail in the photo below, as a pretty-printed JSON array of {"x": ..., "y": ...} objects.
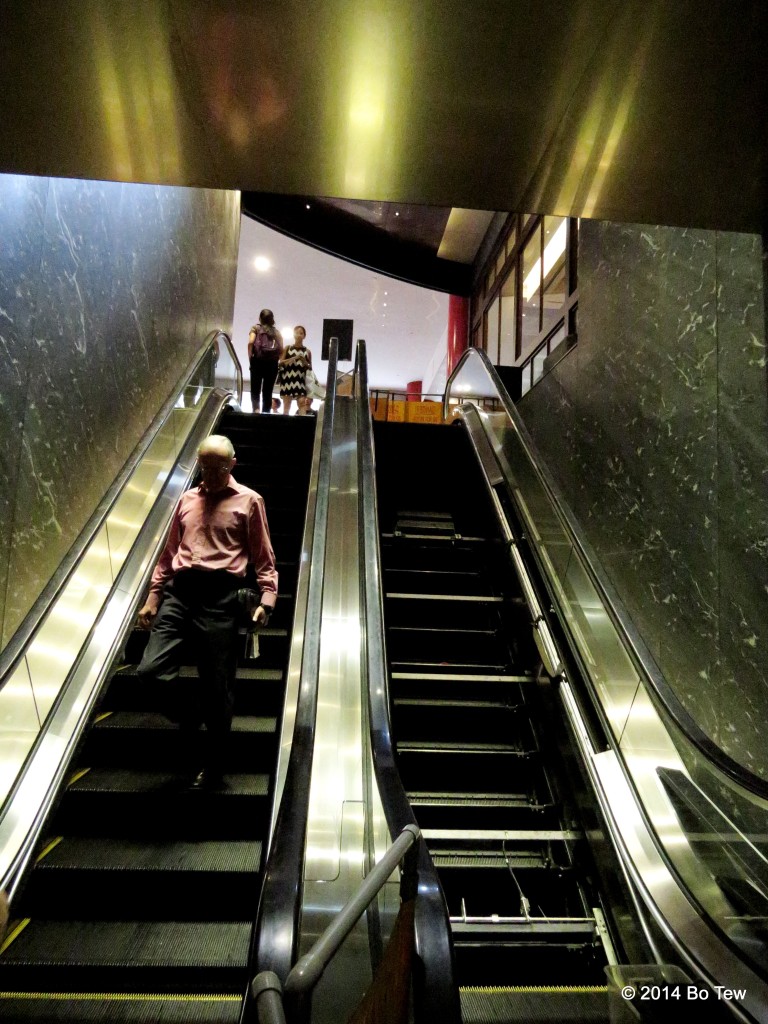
[
  {"x": 14, "y": 650},
  {"x": 439, "y": 993},
  {"x": 633, "y": 642},
  {"x": 276, "y": 935},
  {"x": 158, "y": 523}
]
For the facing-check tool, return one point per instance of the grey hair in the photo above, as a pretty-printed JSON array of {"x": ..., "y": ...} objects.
[{"x": 217, "y": 443}]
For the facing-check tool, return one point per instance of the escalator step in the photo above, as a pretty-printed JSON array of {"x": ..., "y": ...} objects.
[
  {"x": 118, "y": 1008},
  {"x": 437, "y": 747},
  {"x": 83, "y": 877},
  {"x": 144, "y": 740},
  {"x": 472, "y": 800},
  {"x": 87, "y": 854},
  {"x": 544, "y": 1005},
  {"x": 111, "y": 802},
  {"x": 142, "y": 956}
]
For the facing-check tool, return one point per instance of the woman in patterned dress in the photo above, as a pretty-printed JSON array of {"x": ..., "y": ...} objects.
[{"x": 295, "y": 360}]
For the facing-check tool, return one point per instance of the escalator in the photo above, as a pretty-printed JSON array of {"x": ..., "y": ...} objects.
[
  {"x": 477, "y": 744},
  {"x": 141, "y": 899}
]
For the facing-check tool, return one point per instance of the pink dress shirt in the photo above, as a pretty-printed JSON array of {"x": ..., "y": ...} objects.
[{"x": 225, "y": 530}]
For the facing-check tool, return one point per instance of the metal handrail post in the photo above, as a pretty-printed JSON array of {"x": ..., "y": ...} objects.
[
  {"x": 309, "y": 969},
  {"x": 267, "y": 994}
]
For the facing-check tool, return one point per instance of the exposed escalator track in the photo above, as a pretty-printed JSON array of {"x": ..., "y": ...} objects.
[
  {"x": 141, "y": 901},
  {"x": 474, "y": 741}
]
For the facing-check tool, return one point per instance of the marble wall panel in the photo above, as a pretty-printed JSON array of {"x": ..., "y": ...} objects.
[
  {"x": 662, "y": 418},
  {"x": 743, "y": 493},
  {"x": 22, "y": 215},
  {"x": 119, "y": 284}
]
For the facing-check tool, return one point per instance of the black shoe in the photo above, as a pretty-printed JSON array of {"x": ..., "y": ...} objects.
[{"x": 208, "y": 780}]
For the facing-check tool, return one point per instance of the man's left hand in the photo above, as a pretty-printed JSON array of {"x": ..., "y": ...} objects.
[{"x": 261, "y": 615}]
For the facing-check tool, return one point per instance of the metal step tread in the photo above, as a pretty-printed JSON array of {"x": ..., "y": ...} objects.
[
  {"x": 454, "y": 677},
  {"x": 82, "y": 853},
  {"x": 499, "y": 928},
  {"x": 439, "y": 746},
  {"x": 243, "y": 672},
  {"x": 455, "y": 702},
  {"x": 587, "y": 1004},
  {"x": 453, "y": 538},
  {"x": 140, "y": 720},
  {"x": 131, "y": 944},
  {"x": 482, "y": 598},
  {"x": 484, "y": 860},
  {"x": 522, "y": 835},
  {"x": 472, "y": 668},
  {"x": 427, "y": 799},
  {"x": 120, "y": 1007},
  {"x": 108, "y": 780}
]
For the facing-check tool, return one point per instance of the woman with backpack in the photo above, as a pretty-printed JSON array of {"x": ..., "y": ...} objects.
[{"x": 265, "y": 346}]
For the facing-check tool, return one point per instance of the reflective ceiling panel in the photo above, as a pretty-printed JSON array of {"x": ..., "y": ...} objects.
[{"x": 636, "y": 110}]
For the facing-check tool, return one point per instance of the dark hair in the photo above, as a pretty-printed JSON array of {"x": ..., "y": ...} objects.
[
  {"x": 266, "y": 316},
  {"x": 299, "y": 327}
]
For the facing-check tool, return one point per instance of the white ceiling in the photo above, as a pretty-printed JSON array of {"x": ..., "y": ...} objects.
[{"x": 402, "y": 324}]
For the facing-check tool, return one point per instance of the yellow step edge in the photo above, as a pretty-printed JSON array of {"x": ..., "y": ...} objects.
[
  {"x": 14, "y": 933},
  {"x": 102, "y": 716},
  {"x": 491, "y": 989},
  {"x": 78, "y": 775},
  {"x": 47, "y": 849},
  {"x": 125, "y": 997}
]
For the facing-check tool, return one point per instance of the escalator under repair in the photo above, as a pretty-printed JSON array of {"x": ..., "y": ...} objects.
[
  {"x": 141, "y": 900},
  {"x": 473, "y": 727}
]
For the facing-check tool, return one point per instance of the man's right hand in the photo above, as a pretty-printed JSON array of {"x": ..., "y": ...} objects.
[{"x": 148, "y": 613}]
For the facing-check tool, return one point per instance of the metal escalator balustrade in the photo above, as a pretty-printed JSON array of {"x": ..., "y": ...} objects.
[
  {"x": 142, "y": 891},
  {"x": 668, "y": 796},
  {"x": 471, "y": 727}
]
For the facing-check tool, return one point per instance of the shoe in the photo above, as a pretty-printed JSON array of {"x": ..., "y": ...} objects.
[{"x": 208, "y": 780}]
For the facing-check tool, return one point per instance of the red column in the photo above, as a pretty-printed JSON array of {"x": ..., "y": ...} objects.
[
  {"x": 458, "y": 329},
  {"x": 413, "y": 390}
]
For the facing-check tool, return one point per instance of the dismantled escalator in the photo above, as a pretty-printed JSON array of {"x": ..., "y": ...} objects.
[
  {"x": 476, "y": 745},
  {"x": 141, "y": 900}
]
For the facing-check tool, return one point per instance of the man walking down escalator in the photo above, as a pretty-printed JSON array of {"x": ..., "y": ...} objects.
[{"x": 218, "y": 528}]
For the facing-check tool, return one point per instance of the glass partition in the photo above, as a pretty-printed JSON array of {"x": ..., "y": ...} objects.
[
  {"x": 711, "y": 829},
  {"x": 27, "y": 696}
]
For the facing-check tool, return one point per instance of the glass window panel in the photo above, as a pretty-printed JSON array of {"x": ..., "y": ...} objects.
[
  {"x": 492, "y": 331},
  {"x": 557, "y": 338},
  {"x": 507, "y": 351},
  {"x": 500, "y": 259},
  {"x": 531, "y": 292},
  {"x": 555, "y": 231},
  {"x": 538, "y": 363},
  {"x": 574, "y": 254},
  {"x": 511, "y": 239}
]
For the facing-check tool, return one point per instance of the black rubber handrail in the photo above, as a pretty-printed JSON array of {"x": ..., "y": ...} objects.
[
  {"x": 641, "y": 657},
  {"x": 276, "y": 935},
  {"x": 435, "y": 990},
  {"x": 19, "y": 642}
]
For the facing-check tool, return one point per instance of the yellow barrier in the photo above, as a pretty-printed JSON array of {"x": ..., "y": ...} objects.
[{"x": 406, "y": 412}]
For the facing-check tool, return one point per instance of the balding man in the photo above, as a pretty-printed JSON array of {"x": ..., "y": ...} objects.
[{"x": 218, "y": 528}]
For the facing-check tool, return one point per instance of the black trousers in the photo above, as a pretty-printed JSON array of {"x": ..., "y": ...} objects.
[
  {"x": 263, "y": 377},
  {"x": 199, "y": 609}
]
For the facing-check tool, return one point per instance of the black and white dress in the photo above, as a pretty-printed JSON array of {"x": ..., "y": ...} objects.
[{"x": 292, "y": 374}]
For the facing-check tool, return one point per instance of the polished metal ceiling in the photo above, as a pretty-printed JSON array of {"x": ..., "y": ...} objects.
[{"x": 634, "y": 110}]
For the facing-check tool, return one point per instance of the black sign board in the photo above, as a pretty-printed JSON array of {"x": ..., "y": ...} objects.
[{"x": 341, "y": 329}]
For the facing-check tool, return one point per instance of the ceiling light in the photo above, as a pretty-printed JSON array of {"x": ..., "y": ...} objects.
[
  {"x": 286, "y": 332},
  {"x": 397, "y": 214},
  {"x": 262, "y": 263},
  {"x": 308, "y": 206}
]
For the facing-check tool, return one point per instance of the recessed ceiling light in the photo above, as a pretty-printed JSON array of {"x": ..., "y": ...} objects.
[
  {"x": 262, "y": 263},
  {"x": 308, "y": 206},
  {"x": 397, "y": 213}
]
